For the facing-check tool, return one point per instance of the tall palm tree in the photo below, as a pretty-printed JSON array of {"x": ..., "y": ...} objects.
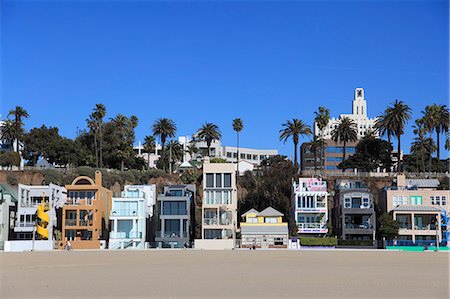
[
  {"x": 7, "y": 131},
  {"x": 18, "y": 114},
  {"x": 238, "y": 126},
  {"x": 399, "y": 114},
  {"x": 322, "y": 119},
  {"x": 292, "y": 129},
  {"x": 164, "y": 128},
  {"x": 149, "y": 147},
  {"x": 345, "y": 131},
  {"x": 209, "y": 132},
  {"x": 122, "y": 127},
  {"x": 447, "y": 140},
  {"x": 438, "y": 118},
  {"x": 93, "y": 127},
  {"x": 175, "y": 152},
  {"x": 98, "y": 114},
  {"x": 384, "y": 126}
]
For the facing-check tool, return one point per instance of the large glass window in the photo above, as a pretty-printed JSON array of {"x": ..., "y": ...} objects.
[
  {"x": 172, "y": 227},
  {"x": 174, "y": 208},
  {"x": 210, "y": 180},
  {"x": 270, "y": 220},
  {"x": 218, "y": 180},
  {"x": 227, "y": 180}
]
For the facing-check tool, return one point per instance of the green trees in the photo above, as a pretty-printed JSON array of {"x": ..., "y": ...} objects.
[
  {"x": 123, "y": 136},
  {"x": 422, "y": 147},
  {"x": 292, "y": 129},
  {"x": 344, "y": 132},
  {"x": 209, "y": 132},
  {"x": 322, "y": 119},
  {"x": 316, "y": 146},
  {"x": 164, "y": 128},
  {"x": 370, "y": 154},
  {"x": 387, "y": 227},
  {"x": 384, "y": 126},
  {"x": 149, "y": 147},
  {"x": 18, "y": 114},
  {"x": 7, "y": 132},
  {"x": 437, "y": 119},
  {"x": 399, "y": 114}
]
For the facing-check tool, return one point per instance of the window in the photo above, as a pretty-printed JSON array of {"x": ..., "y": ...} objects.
[
  {"x": 270, "y": 220},
  {"x": 209, "y": 180},
  {"x": 234, "y": 155},
  {"x": 262, "y": 157},
  {"x": 432, "y": 200},
  {"x": 249, "y": 157},
  {"x": 416, "y": 200},
  {"x": 227, "y": 180},
  {"x": 228, "y": 155},
  {"x": 444, "y": 201},
  {"x": 394, "y": 201},
  {"x": 405, "y": 200},
  {"x": 438, "y": 200},
  {"x": 365, "y": 203},
  {"x": 218, "y": 180},
  {"x": 252, "y": 220},
  {"x": 242, "y": 156},
  {"x": 172, "y": 227},
  {"x": 347, "y": 202},
  {"x": 255, "y": 157}
]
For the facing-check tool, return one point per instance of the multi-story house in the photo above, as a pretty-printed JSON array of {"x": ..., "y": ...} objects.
[
  {"x": 354, "y": 213},
  {"x": 37, "y": 211},
  {"x": 310, "y": 199},
  {"x": 219, "y": 208},
  {"x": 415, "y": 204},
  {"x": 264, "y": 229},
  {"x": 130, "y": 216},
  {"x": 8, "y": 200},
  {"x": 174, "y": 216},
  {"x": 85, "y": 216}
]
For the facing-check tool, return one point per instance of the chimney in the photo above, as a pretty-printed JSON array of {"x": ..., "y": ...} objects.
[
  {"x": 401, "y": 180},
  {"x": 98, "y": 178}
]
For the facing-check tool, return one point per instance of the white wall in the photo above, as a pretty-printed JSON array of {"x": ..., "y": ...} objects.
[
  {"x": 18, "y": 246},
  {"x": 214, "y": 244}
]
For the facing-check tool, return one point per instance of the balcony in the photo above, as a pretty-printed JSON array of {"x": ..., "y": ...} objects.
[
  {"x": 173, "y": 212},
  {"x": 312, "y": 228},
  {"x": 358, "y": 226},
  {"x": 25, "y": 224},
  {"x": 88, "y": 222},
  {"x": 211, "y": 221},
  {"x": 125, "y": 235},
  {"x": 122, "y": 212},
  {"x": 71, "y": 222},
  {"x": 171, "y": 235}
]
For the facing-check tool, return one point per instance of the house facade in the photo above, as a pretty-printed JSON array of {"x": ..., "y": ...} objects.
[
  {"x": 264, "y": 229},
  {"x": 415, "y": 204},
  {"x": 219, "y": 208},
  {"x": 85, "y": 215},
  {"x": 310, "y": 199},
  {"x": 354, "y": 213},
  {"x": 174, "y": 216},
  {"x": 130, "y": 215}
]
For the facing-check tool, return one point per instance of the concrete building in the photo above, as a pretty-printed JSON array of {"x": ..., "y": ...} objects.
[
  {"x": 85, "y": 216},
  {"x": 174, "y": 216},
  {"x": 264, "y": 229},
  {"x": 358, "y": 115},
  {"x": 219, "y": 208},
  {"x": 354, "y": 214},
  {"x": 8, "y": 200},
  {"x": 130, "y": 216},
  {"x": 414, "y": 203},
  {"x": 37, "y": 211},
  {"x": 310, "y": 198}
]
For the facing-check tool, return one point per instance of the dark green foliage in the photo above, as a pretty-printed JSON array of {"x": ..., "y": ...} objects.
[
  {"x": 387, "y": 227},
  {"x": 270, "y": 186},
  {"x": 218, "y": 160},
  {"x": 371, "y": 153},
  {"x": 9, "y": 159},
  {"x": 310, "y": 241}
]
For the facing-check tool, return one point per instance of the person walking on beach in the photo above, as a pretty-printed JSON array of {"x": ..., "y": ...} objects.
[{"x": 68, "y": 245}]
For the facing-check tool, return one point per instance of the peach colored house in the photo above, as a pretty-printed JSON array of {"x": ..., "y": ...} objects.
[
  {"x": 414, "y": 203},
  {"x": 85, "y": 215}
]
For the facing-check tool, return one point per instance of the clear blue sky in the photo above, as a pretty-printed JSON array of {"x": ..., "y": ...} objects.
[{"x": 197, "y": 61}]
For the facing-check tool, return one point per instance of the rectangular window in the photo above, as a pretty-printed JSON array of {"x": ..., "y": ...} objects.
[
  {"x": 394, "y": 201},
  {"x": 432, "y": 200},
  {"x": 347, "y": 202},
  {"x": 270, "y": 220},
  {"x": 227, "y": 180},
  {"x": 405, "y": 200},
  {"x": 438, "y": 200},
  {"x": 210, "y": 180},
  {"x": 249, "y": 157},
  {"x": 228, "y": 155},
  {"x": 242, "y": 156},
  {"x": 365, "y": 203},
  {"x": 234, "y": 155},
  {"x": 252, "y": 220},
  {"x": 218, "y": 180},
  {"x": 444, "y": 200},
  {"x": 255, "y": 157}
]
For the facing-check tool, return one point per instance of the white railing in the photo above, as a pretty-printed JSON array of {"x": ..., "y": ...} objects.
[{"x": 312, "y": 225}]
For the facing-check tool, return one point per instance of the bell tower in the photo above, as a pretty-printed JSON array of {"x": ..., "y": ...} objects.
[{"x": 359, "y": 103}]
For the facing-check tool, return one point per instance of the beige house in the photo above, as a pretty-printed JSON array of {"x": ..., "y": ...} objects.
[
  {"x": 219, "y": 208},
  {"x": 415, "y": 203}
]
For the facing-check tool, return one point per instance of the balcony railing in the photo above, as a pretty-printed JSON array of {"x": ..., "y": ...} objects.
[
  {"x": 311, "y": 225},
  {"x": 25, "y": 224},
  {"x": 358, "y": 226},
  {"x": 125, "y": 235},
  {"x": 405, "y": 226},
  {"x": 122, "y": 212},
  {"x": 71, "y": 222},
  {"x": 173, "y": 212},
  {"x": 171, "y": 234},
  {"x": 84, "y": 222},
  {"x": 211, "y": 221},
  {"x": 425, "y": 227}
]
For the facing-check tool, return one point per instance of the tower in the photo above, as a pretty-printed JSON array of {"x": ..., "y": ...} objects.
[{"x": 359, "y": 103}]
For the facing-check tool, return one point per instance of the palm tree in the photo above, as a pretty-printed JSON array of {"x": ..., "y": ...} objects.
[
  {"x": 399, "y": 114},
  {"x": 345, "y": 131},
  {"x": 209, "y": 132},
  {"x": 149, "y": 147},
  {"x": 383, "y": 126},
  {"x": 122, "y": 128},
  {"x": 421, "y": 144},
  {"x": 447, "y": 140},
  {"x": 238, "y": 126},
  {"x": 192, "y": 150},
  {"x": 98, "y": 114},
  {"x": 93, "y": 127},
  {"x": 293, "y": 129},
  {"x": 438, "y": 120},
  {"x": 18, "y": 114},
  {"x": 7, "y": 131},
  {"x": 164, "y": 128},
  {"x": 322, "y": 119}
]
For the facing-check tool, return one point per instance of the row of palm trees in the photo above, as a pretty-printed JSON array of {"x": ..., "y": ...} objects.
[{"x": 390, "y": 124}]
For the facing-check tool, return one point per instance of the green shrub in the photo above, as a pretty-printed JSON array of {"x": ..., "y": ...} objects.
[
  {"x": 310, "y": 241},
  {"x": 355, "y": 242},
  {"x": 11, "y": 180}
]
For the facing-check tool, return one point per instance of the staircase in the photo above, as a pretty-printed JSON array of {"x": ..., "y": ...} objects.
[{"x": 43, "y": 221}]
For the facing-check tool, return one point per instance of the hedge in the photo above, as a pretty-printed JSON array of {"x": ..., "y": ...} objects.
[
  {"x": 355, "y": 242},
  {"x": 310, "y": 241}
]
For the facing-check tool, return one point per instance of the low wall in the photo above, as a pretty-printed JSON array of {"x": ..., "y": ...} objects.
[
  {"x": 214, "y": 244},
  {"x": 27, "y": 245}
]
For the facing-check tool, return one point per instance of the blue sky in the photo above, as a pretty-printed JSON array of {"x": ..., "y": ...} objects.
[{"x": 197, "y": 61}]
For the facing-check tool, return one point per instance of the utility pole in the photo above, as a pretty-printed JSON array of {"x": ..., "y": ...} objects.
[{"x": 437, "y": 233}]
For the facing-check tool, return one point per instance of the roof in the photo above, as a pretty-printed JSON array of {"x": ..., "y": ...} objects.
[
  {"x": 416, "y": 208},
  {"x": 186, "y": 164},
  {"x": 423, "y": 183},
  {"x": 270, "y": 212},
  {"x": 264, "y": 229},
  {"x": 251, "y": 211}
]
